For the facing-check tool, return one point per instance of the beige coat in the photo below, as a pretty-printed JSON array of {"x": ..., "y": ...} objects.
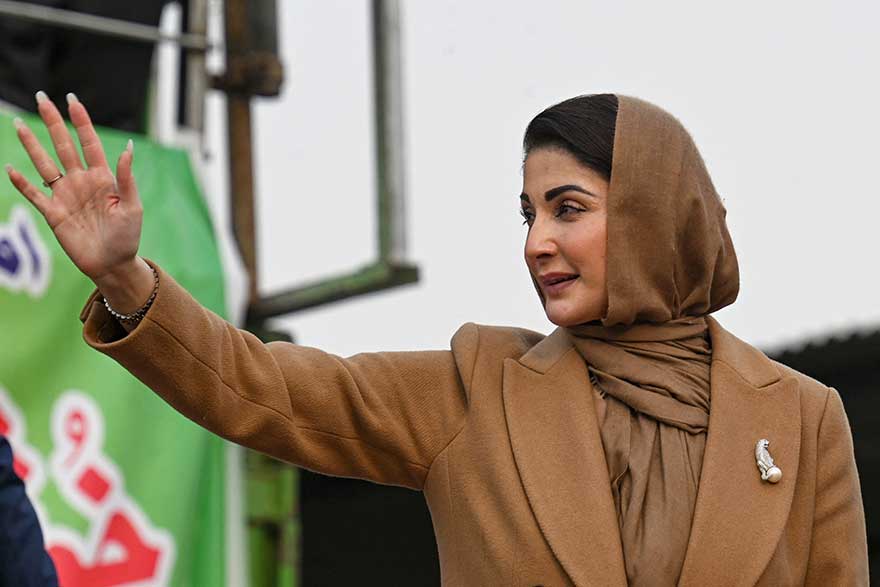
[{"x": 500, "y": 434}]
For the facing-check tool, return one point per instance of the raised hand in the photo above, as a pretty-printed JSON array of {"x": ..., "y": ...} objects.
[{"x": 95, "y": 216}]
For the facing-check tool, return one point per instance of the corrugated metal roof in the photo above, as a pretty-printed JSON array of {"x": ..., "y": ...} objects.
[{"x": 854, "y": 348}]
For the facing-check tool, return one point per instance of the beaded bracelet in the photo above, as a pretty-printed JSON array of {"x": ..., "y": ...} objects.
[{"x": 138, "y": 315}]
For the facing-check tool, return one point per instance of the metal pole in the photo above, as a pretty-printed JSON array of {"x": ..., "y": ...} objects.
[
  {"x": 196, "y": 73},
  {"x": 100, "y": 25},
  {"x": 271, "y": 488},
  {"x": 241, "y": 170},
  {"x": 388, "y": 101}
]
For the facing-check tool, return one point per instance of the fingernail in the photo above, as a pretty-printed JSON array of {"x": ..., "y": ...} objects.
[
  {"x": 71, "y": 98},
  {"x": 8, "y": 168},
  {"x": 41, "y": 97},
  {"x": 18, "y": 122},
  {"x": 130, "y": 146}
]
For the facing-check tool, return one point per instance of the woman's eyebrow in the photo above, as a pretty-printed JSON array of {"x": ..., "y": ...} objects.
[{"x": 552, "y": 193}]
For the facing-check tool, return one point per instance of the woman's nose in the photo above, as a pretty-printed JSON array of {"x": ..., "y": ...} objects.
[{"x": 540, "y": 241}]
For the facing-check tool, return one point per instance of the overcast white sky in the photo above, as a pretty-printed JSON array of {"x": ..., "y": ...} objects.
[{"x": 782, "y": 98}]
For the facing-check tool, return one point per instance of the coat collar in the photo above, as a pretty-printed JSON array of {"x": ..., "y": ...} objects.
[
  {"x": 558, "y": 451},
  {"x": 739, "y": 518}
]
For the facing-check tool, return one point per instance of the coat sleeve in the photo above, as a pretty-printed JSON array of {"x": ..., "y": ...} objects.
[
  {"x": 377, "y": 416},
  {"x": 23, "y": 558},
  {"x": 838, "y": 551}
]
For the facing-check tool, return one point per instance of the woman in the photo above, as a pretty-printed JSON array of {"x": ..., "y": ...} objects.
[{"x": 628, "y": 446}]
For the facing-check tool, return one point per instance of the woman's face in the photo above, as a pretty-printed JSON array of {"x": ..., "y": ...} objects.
[{"x": 564, "y": 204}]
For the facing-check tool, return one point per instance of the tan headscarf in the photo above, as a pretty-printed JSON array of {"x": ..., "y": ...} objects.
[{"x": 670, "y": 261}]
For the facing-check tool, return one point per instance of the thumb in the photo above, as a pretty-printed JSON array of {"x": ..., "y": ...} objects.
[{"x": 124, "y": 175}]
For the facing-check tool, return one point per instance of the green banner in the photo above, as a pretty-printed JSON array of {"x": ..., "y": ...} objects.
[{"x": 127, "y": 490}]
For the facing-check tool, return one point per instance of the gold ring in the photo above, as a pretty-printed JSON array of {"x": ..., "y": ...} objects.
[{"x": 49, "y": 183}]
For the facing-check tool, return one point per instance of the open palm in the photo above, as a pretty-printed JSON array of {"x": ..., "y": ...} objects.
[{"x": 95, "y": 216}]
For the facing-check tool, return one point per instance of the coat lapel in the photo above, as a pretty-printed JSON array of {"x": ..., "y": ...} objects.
[
  {"x": 739, "y": 518},
  {"x": 558, "y": 451}
]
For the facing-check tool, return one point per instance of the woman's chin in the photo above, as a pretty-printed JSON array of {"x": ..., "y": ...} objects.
[
  {"x": 565, "y": 315},
  {"x": 563, "y": 318}
]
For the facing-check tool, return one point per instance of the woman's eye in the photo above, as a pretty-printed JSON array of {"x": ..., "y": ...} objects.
[
  {"x": 527, "y": 214},
  {"x": 567, "y": 209}
]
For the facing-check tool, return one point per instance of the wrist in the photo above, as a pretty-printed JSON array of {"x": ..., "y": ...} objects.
[
  {"x": 128, "y": 286},
  {"x": 133, "y": 318}
]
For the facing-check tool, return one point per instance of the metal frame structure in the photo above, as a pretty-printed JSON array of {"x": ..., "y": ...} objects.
[
  {"x": 391, "y": 269},
  {"x": 99, "y": 25},
  {"x": 253, "y": 69}
]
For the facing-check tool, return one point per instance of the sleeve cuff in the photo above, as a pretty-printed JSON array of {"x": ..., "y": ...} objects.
[{"x": 99, "y": 326}]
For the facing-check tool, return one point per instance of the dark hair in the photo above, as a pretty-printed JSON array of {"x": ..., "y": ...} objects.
[{"x": 583, "y": 126}]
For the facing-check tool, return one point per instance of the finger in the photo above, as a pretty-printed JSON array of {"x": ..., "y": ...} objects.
[
  {"x": 124, "y": 175},
  {"x": 88, "y": 138},
  {"x": 40, "y": 201},
  {"x": 43, "y": 163},
  {"x": 64, "y": 145}
]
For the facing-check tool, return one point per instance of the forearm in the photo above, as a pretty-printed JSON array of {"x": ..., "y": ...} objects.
[{"x": 379, "y": 416}]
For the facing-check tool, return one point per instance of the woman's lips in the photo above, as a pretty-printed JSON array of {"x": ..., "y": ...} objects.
[{"x": 557, "y": 288}]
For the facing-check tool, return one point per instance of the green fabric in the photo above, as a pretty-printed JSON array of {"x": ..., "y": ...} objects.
[{"x": 154, "y": 471}]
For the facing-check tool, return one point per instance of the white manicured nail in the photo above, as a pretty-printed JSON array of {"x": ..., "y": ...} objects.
[
  {"x": 18, "y": 122},
  {"x": 130, "y": 146},
  {"x": 8, "y": 168},
  {"x": 71, "y": 98},
  {"x": 41, "y": 97}
]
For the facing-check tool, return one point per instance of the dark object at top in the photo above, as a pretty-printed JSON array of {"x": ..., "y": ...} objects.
[{"x": 108, "y": 74}]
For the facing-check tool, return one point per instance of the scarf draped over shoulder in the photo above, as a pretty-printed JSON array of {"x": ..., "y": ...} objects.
[{"x": 670, "y": 261}]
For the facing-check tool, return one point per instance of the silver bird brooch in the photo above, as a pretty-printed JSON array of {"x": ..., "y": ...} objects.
[{"x": 769, "y": 471}]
